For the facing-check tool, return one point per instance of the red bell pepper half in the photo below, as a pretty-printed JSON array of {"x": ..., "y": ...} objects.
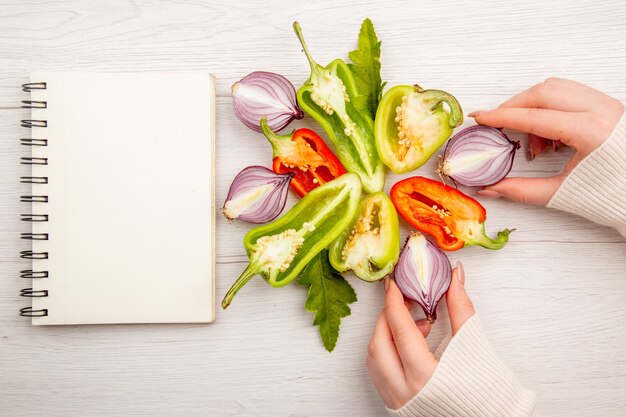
[
  {"x": 451, "y": 217},
  {"x": 305, "y": 154}
]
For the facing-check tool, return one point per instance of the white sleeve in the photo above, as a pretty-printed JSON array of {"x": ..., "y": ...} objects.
[{"x": 470, "y": 380}]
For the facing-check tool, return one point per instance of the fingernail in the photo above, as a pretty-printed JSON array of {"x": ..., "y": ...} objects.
[
  {"x": 488, "y": 193},
  {"x": 476, "y": 113},
  {"x": 386, "y": 282},
  {"x": 460, "y": 272}
]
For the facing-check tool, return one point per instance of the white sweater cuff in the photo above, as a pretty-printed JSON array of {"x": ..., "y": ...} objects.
[
  {"x": 596, "y": 188},
  {"x": 470, "y": 380}
]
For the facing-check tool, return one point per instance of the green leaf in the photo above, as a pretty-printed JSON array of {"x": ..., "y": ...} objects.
[
  {"x": 328, "y": 297},
  {"x": 366, "y": 69}
]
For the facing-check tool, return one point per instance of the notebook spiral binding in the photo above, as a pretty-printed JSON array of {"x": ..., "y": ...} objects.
[{"x": 30, "y": 217}]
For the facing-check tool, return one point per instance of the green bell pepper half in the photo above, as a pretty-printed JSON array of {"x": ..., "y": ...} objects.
[
  {"x": 370, "y": 246},
  {"x": 281, "y": 249},
  {"x": 328, "y": 97},
  {"x": 412, "y": 123}
]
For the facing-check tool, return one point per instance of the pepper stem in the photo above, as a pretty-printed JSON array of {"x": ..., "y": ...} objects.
[
  {"x": 498, "y": 243},
  {"x": 298, "y": 30},
  {"x": 281, "y": 145},
  {"x": 250, "y": 271},
  {"x": 272, "y": 136},
  {"x": 370, "y": 273},
  {"x": 439, "y": 97},
  {"x": 456, "y": 113}
]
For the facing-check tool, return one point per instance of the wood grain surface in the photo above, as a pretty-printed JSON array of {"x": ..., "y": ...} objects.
[{"x": 553, "y": 301}]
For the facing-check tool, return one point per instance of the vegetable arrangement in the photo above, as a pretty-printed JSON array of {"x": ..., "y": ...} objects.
[
  {"x": 281, "y": 249},
  {"x": 334, "y": 228}
]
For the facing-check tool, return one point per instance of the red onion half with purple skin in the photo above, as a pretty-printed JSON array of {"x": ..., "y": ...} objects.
[
  {"x": 265, "y": 94},
  {"x": 478, "y": 156},
  {"x": 257, "y": 195},
  {"x": 423, "y": 273}
]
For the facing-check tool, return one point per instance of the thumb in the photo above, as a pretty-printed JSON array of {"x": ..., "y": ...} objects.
[
  {"x": 536, "y": 191},
  {"x": 460, "y": 307}
]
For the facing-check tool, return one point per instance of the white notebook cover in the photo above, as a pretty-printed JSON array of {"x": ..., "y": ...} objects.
[{"x": 131, "y": 197}]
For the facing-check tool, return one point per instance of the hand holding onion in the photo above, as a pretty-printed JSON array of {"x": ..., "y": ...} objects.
[
  {"x": 556, "y": 109},
  {"x": 398, "y": 359}
]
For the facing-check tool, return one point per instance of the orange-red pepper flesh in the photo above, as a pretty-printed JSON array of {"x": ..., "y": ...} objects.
[
  {"x": 437, "y": 209},
  {"x": 313, "y": 163}
]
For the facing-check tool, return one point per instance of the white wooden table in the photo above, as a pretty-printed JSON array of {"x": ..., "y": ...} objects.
[{"x": 553, "y": 301}]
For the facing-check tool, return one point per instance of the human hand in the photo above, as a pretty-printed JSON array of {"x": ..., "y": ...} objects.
[
  {"x": 398, "y": 359},
  {"x": 557, "y": 109}
]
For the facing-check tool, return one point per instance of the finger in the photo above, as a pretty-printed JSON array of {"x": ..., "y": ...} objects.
[
  {"x": 382, "y": 352},
  {"x": 575, "y": 85},
  {"x": 424, "y": 326},
  {"x": 571, "y": 164},
  {"x": 537, "y": 191},
  {"x": 382, "y": 360},
  {"x": 561, "y": 98},
  {"x": 410, "y": 343},
  {"x": 555, "y": 94},
  {"x": 381, "y": 343},
  {"x": 460, "y": 307},
  {"x": 550, "y": 124}
]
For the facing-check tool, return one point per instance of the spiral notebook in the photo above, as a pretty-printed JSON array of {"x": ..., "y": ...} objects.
[{"x": 121, "y": 207}]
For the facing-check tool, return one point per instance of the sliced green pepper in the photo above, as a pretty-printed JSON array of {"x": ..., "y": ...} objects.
[
  {"x": 281, "y": 249},
  {"x": 412, "y": 123},
  {"x": 328, "y": 97},
  {"x": 371, "y": 245}
]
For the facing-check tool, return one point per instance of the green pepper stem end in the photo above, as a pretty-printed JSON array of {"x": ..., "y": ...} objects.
[
  {"x": 274, "y": 138},
  {"x": 498, "y": 243},
  {"x": 298, "y": 29},
  {"x": 246, "y": 275}
]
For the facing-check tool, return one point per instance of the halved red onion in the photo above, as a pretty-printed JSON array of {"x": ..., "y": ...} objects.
[
  {"x": 265, "y": 94},
  {"x": 423, "y": 273},
  {"x": 257, "y": 195},
  {"x": 478, "y": 156}
]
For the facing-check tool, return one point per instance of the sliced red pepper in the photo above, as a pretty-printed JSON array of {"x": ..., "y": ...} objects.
[
  {"x": 305, "y": 154},
  {"x": 451, "y": 217}
]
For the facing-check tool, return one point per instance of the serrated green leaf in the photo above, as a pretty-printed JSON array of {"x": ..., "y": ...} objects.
[
  {"x": 366, "y": 68},
  {"x": 328, "y": 297},
  {"x": 380, "y": 93}
]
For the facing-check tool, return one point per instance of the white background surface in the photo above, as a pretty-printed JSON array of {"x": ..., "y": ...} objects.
[{"x": 552, "y": 302}]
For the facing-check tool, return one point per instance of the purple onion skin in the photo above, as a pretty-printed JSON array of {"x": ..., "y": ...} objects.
[
  {"x": 268, "y": 206},
  {"x": 265, "y": 94},
  {"x": 425, "y": 284},
  {"x": 479, "y": 138}
]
